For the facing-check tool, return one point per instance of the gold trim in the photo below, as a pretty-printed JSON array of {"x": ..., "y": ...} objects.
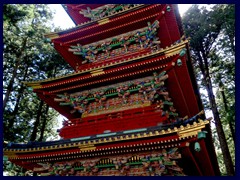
[
  {"x": 169, "y": 51},
  {"x": 172, "y": 52},
  {"x": 52, "y": 36},
  {"x": 89, "y": 22},
  {"x": 183, "y": 132},
  {"x": 34, "y": 85},
  {"x": 88, "y": 149},
  {"x": 192, "y": 130},
  {"x": 97, "y": 72},
  {"x": 103, "y": 21},
  {"x": 10, "y": 154},
  {"x": 85, "y": 145}
]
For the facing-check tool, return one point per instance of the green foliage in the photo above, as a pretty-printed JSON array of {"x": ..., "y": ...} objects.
[
  {"x": 218, "y": 148},
  {"x": 212, "y": 43},
  {"x": 27, "y": 57}
]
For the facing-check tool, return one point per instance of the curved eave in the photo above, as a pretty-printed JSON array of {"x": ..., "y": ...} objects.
[
  {"x": 65, "y": 7},
  {"x": 169, "y": 51},
  {"x": 73, "y": 11},
  {"x": 90, "y": 32},
  {"x": 182, "y": 138},
  {"x": 178, "y": 19},
  {"x": 176, "y": 134},
  {"x": 85, "y": 21},
  {"x": 121, "y": 71}
]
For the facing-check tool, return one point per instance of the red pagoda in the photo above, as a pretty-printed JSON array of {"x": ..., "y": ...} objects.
[{"x": 132, "y": 104}]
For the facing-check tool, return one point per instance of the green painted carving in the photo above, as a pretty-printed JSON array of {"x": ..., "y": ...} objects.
[
  {"x": 154, "y": 163},
  {"x": 131, "y": 94},
  {"x": 104, "y": 11},
  {"x": 146, "y": 86},
  {"x": 115, "y": 46},
  {"x": 151, "y": 87}
]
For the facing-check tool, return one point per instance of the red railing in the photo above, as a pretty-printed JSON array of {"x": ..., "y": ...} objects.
[{"x": 113, "y": 122}]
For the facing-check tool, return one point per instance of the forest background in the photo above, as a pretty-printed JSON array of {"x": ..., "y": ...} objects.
[{"x": 27, "y": 56}]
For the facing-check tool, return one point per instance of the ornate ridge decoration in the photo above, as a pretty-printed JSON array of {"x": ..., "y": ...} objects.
[
  {"x": 147, "y": 81},
  {"x": 148, "y": 90},
  {"x": 54, "y": 35},
  {"x": 155, "y": 163},
  {"x": 107, "y": 10}
]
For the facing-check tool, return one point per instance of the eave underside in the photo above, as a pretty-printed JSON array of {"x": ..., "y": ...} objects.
[
  {"x": 184, "y": 99},
  {"x": 184, "y": 139}
]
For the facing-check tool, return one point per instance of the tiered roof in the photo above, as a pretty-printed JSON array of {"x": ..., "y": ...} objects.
[
  {"x": 38, "y": 156},
  {"x": 136, "y": 57},
  {"x": 140, "y": 66}
]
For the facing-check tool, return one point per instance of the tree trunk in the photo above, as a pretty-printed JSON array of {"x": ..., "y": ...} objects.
[
  {"x": 19, "y": 96},
  {"x": 227, "y": 113},
  {"x": 39, "y": 113},
  {"x": 203, "y": 63},
  {"x": 44, "y": 124},
  {"x": 11, "y": 82},
  {"x": 52, "y": 74},
  {"x": 14, "y": 74},
  {"x": 222, "y": 139}
]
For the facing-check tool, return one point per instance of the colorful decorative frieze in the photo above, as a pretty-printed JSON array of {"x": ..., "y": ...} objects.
[
  {"x": 151, "y": 163},
  {"x": 131, "y": 94},
  {"x": 127, "y": 43}
]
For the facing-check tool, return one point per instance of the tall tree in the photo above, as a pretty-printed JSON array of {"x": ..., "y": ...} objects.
[
  {"x": 204, "y": 27},
  {"x": 23, "y": 26},
  {"x": 37, "y": 121},
  {"x": 230, "y": 118},
  {"x": 27, "y": 57},
  {"x": 227, "y": 14},
  {"x": 18, "y": 98},
  {"x": 43, "y": 124},
  {"x": 17, "y": 64},
  {"x": 222, "y": 71}
]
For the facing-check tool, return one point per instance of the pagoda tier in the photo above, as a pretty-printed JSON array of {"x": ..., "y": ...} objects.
[
  {"x": 129, "y": 70},
  {"x": 133, "y": 20},
  {"x": 176, "y": 149}
]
